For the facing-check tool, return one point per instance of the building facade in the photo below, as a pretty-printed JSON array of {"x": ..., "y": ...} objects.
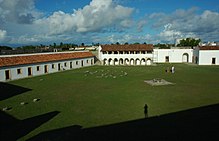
[
  {"x": 172, "y": 55},
  {"x": 147, "y": 55},
  {"x": 21, "y": 66},
  {"x": 135, "y": 54},
  {"x": 206, "y": 55}
]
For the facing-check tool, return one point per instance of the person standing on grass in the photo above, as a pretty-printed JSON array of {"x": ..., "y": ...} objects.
[
  {"x": 146, "y": 110},
  {"x": 172, "y": 69}
]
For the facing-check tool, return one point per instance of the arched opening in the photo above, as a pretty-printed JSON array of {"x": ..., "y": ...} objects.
[
  {"x": 104, "y": 61},
  {"x": 149, "y": 62},
  {"x": 137, "y": 62},
  {"x": 116, "y": 61},
  {"x": 185, "y": 58},
  {"x": 132, "y": 62},
  {"x": 121, "y": 61},
  {"x": 126, "y": 61},
  {"x": 143, "y": 62},
  {"x": 110, "y": 62},
  {"x": 115, "y": 52}
]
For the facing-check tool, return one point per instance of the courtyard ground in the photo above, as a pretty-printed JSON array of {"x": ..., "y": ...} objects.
[{"x": 99, "y": 96}]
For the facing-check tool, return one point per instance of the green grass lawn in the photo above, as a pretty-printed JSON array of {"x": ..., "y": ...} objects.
[{"x": 83, "y": 97}]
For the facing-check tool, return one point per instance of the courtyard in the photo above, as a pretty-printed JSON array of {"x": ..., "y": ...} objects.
[{"x": 105, "y": 95}]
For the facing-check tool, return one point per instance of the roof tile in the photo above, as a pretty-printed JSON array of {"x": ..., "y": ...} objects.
[
  {"x": 31, "y": 59},
  {"x": 209, "y": 48},
  {"x": 132, "y": 47}
]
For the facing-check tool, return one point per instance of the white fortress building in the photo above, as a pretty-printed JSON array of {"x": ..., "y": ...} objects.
[
  {"x": 14, "y": 67},
  {"x": 143, "y": 54}
]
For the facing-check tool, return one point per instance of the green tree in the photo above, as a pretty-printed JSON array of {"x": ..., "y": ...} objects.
[
  {"x": 117, "y": 43},
  {"x": 189, "y": 42},
  {"x": 61, "y": 44}
]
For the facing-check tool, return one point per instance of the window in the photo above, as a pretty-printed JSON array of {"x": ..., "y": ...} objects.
[
  {"x": 19, "y": 71},
  {"x": 137, "y": 52},
  {"x": 149, "y": 52},
  {"x": 38, "y": 68},
  {"x": 76, "y": 62},
  {"x": 65, "y": 64},
  {"x": 104, "y": 52},
  {"x": 87, "y": 61},
  {"x": 115, "y": 52},
  {"x": 121, "y": 52},
  {"x": 53, "y": 66},
  {"x": 131, "y": 52},
  {"x": 110, "y": 52},
  {"x": 143, "y": 52}
]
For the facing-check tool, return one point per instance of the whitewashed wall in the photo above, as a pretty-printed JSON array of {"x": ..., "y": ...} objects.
[
  {"x": 76, "y": 63},
  {"x": 175, "y": 55},
  {"x": 205, "y": 57}
]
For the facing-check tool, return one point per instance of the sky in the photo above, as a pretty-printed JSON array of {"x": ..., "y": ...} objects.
[{"x": 35, "y": 22}]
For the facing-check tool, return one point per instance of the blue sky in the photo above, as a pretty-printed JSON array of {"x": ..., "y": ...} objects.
[{"x": 26, "y": 22}]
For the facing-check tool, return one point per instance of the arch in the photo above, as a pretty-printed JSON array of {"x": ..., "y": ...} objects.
[
  {"x": 149, "y": 62},
  {"x": 143, "y": 62},
  {"x": 126, "y": 61},
  {"x": 110, "y": 62},
  {"x": 137, "y": 62},
  {"x": 121, "y": 62},
  {"x": 116, "y": 61},
  {"x": 132, "y": 62},
  {"x": 185, "y": 58},
  {"x": 105, "y": 61}
]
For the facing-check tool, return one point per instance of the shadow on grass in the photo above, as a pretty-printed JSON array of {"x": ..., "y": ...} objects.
[
  {"x": 10, "y": 90},
  {"x": 194, "y": 124},
  {"x": 12, "y": 129}
]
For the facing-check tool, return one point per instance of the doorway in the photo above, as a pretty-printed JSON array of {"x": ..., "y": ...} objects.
[
  {"x": 70, "y": 65},
  {"x": 185, "y": 58},
  {"x": 7, "y": 75},
  {"x": 46, "y": 69},
  {"x": 167, "y": 59},
  {"x": 82, "y": 63},
  {"x": 29, "y": 71},
  {"x": 213, "y": 62},
  {"x": 59, "y": 67}
]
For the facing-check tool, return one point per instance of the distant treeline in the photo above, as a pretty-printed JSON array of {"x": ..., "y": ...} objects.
[{"x": 5, "y": 48}]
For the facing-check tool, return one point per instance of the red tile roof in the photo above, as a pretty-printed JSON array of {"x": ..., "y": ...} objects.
[
  {"x": 209, "y": 48},
  {"x": 31, "y": 59},
  {"x": 132, "y": 47}
]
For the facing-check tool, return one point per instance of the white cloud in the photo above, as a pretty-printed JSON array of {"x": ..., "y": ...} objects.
[
  {"x": 18, "y": 11},
  {"x": 3, "y": 34},
  {"x": 186, "y": 23},
  {"x": 141, "y": 24},
  {"x": 96, "y": 16}
]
